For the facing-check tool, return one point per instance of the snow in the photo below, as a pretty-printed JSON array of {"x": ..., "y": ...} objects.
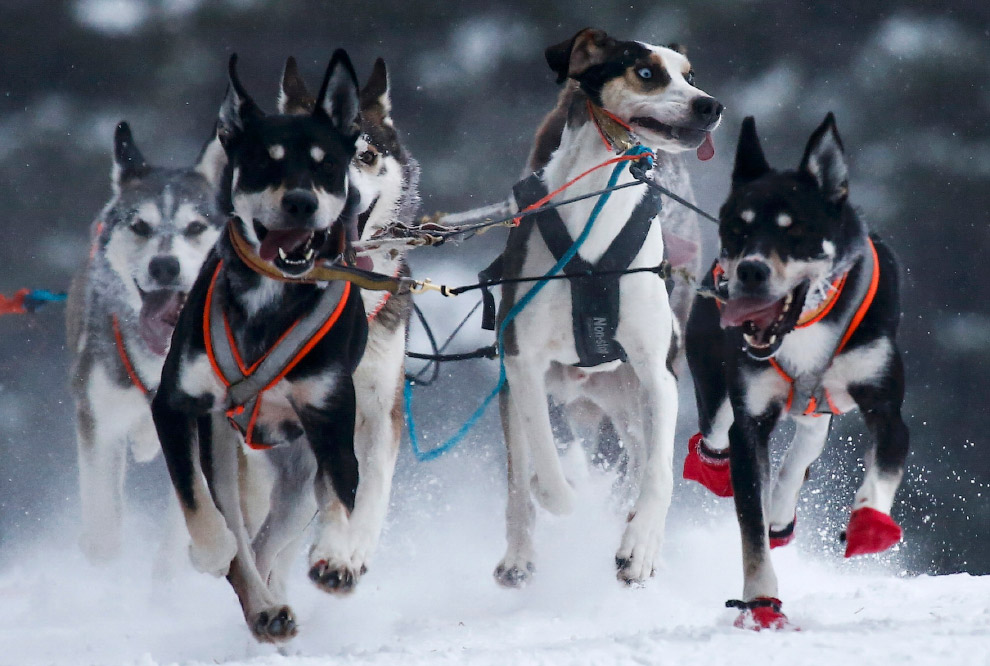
[{"x": 430, "y": 598}]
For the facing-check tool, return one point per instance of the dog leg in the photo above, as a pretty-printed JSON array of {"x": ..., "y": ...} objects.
[
  {"x": 808, "y": 443},
  {"x": 213, "y": 545},
  {"x": 639, "y": 549},
  {"x": 330, "y": 432},
  {"x": 871, "y": 529},
  {"x": 528, "y": 395},
  {"x": 376, "y": 443},
  {"x": 104, "y": 415},
  {"x": 517, "y": 566},
  {"x": 749, "y": 446},
  {"x": 292, "y": 503},
  {"x": 269, "y": 618}
]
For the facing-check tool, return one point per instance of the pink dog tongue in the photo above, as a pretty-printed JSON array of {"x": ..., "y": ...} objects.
[
  {"x": 706, "y": 150},
  {"x": 287, "y": 239}
]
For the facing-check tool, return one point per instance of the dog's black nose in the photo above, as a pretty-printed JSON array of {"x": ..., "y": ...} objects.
[
  {"x": 164, "y": 270},
  {"x": 753, "y": 274},
  {"x": 299, "y": 204},
  {"x": 707, "y": 109}
]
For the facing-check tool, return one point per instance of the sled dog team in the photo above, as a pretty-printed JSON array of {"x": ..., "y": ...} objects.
[{"x": 220, "y": 318}]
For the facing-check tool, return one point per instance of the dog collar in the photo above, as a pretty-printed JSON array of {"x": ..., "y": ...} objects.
[
  {"x": 320, "y": 272},
  {"x": 615, "y": 134}
]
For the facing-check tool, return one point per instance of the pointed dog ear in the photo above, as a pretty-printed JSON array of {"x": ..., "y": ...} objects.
[
  {"x": 375, "y": 96},
  {"x": 825, "y": 161},
  {"x": 212, "y": 160},
  {"x": 750, "y": 162},
  {"x": 573, "y": 57},
  {"x": 237, "y": 107},
  {"x": 293, "y": 97},
  {"x": 338, "y": 97},
  {"x": 128, "y": 162}
]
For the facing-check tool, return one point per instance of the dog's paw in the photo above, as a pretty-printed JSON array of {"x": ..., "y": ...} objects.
[
  {"x": 335, "y": 578},
  {"x": 273, "y": 625},
  {"x": 783, "y": 536},
  {"x": 214, "y": 555},
  {"x": 514, "y": 574},
  {"x": 558, "y": 498},
  {"x": 870, "y": 531},
  {"x": 100, "y": 547},
  {"x": 638, "y": 554},
  {"x": 710, "y": 470}
]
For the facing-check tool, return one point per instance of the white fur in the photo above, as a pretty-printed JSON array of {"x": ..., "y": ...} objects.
[{"x": 545, "y": 336}]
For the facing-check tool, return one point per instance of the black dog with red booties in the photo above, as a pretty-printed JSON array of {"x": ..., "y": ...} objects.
[{"x": 803, "y": 323}]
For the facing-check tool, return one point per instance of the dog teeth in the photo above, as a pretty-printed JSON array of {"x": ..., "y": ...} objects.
[
  {"x": 283, "y": 255},
  {"x": 773, "y": 338},
  {"x": 310, "y": 253},
  {"x": 752, "y": 342}
]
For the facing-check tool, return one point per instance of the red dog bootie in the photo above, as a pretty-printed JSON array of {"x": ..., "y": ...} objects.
[
  {"x": 784, "y": 536},
  {"x": 707, "y": 467},
  {"x": 870, "y": 531},
  {"x": 759, "y": 614}
]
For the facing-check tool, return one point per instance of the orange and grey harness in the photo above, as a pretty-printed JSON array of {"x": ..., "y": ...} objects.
[
  {"x": 246, "y": 384},
  {"x": 807, "y": 396}
]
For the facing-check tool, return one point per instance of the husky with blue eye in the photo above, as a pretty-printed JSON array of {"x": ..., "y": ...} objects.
[
  {"x": 599, "y": 346},
  {"x": 257, "y": 337},
  {"x": 805, "y": 326},
  {"x": 146, "y": 249}
]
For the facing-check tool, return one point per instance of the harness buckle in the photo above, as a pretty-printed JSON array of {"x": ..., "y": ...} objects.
[{"x": 422, "y": 286}]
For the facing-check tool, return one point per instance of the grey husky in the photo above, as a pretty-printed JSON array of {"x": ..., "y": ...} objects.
[{"x": 147, "y": 246}]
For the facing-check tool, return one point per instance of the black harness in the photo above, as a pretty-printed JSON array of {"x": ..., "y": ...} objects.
[{"x": 594, "y": 301}]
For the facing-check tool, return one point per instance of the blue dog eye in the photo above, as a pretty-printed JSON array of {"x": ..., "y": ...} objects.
[{"x": 645, "y": 73}]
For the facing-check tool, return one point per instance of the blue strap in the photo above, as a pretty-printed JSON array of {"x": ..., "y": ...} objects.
[
  {"x": 36, "y": 298},
  {"x": 458, "y": 436}
]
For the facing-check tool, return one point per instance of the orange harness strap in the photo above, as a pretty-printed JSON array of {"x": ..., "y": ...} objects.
[
  {"x": 125, "y": 358},
  {"x": 857, "y": 319},
  {"x": 248, "y": 371}
]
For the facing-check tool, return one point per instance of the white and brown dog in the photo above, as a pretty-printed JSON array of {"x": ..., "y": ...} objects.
[{"x": 601, "y": 346}]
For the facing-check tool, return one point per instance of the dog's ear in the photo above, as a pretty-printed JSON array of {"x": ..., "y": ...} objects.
[
  {"x": 573, "y": 57},
  {"x": 375, "y": 98},
  {"x": 680, "y": 48},
  {"x": 750, "y": 162},
  {"x": 293, "y": 97},
  {"x": 128, "y": 162},
  {"x": 237, "y": 107},
  {"x": 338, "y": 97},
  {"x": 825, "y": 161},
  {"x": 212, "y": 160}
]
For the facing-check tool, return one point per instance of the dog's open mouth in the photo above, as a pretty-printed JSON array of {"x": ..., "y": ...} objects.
[
  {"x": 687, "y": 135},
  {"x": 765, "y": 323},
  {"x": 292, "y": 251},
  {"x": 159, "y": 314}
]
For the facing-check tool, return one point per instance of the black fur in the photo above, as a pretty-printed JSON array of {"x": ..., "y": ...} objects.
[
  {"x": 328, "y": 418},
  {"x": 815, "y": 199}
]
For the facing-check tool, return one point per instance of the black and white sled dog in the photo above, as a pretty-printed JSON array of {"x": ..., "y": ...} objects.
[
  {"x": 147, "y": 246},
  {"x": 601, "y": 346},
  {"x": 806, "y": 328},
  {"x": 387, "y": 177},
  {"x": 262, "y": 348}
]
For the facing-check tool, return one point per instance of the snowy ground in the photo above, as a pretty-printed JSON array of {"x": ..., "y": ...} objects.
[{"x": 430, "y": 599}]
